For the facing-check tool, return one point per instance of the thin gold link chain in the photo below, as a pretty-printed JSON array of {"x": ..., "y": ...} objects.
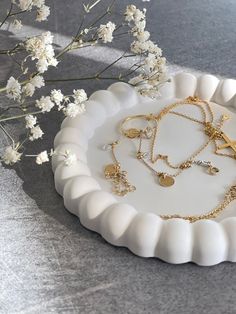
[
  {"x": 229, "y": 197},
  {"x": 120, "y": 177},
  {"x": 187, "y": 163}
]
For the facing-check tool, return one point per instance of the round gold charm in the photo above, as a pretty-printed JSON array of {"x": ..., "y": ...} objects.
[
  {"x": 111, "y": 170},
  {"x": 166, "y": 180},
  {"x": 132, "y": 133}
]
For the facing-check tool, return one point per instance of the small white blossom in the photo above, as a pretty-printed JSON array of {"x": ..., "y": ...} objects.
[
  {"x": 105, "y": 32},
  {"x": 41, "y": 49},
  {"x": 70, "y": 158},
  {"x": 17, "y": 25},
  {"x": 25, "y": 5},
  {"x": 42, "y": 157},
  {"x": 11, "y": 155},
  {"x": 79, "y": 95},
  {"x": 42, "y": 65},
  {"x": 38, "y": 3},
  {"x": 72, "y": 110},
  {"x": 36, "y": 133},
  {"x": 142, "y": 36},
  {"x": 57, "y": 96},
  {"x": 42, "y": 13},
  {"x": 13, "y": 88},
  {"x": 134, "y": 14},
  {"x": 28, "y": 89},
  {"x": 130, "y": 12},
  {"x": 45, "y": 104},
  {"x": 47, "y": 38},
  {"x": 30, "y": 121},
  {"x": 37, "y": 81}
]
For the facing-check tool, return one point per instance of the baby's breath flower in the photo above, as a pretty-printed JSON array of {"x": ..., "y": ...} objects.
[
  {"x": 72, "y": 110},
  {"x": 105, "y": 32},
  {"x": 37, "y": 81},
  {"x": 79, "y": 95},
  {"x": 42, "y": 13},
  {"x": 25, "y": 5},
  {"x": 30, "y": 121},
  {"x": 13, "y": 88},
  {"x": 42, "y": 157},
  {"x": 130, "y": 12},
  {"x": 36, "y": 133},
  {"x": 28, "y": 89},
  {"x": 57, "y": 96},
  {"x": 41, "y": 49},
  {"x": 44, "y": 103},
  {"x": 38, "y": 3},
  {"x": 17, "y": 24},
  {"x": 11, "y": 155}
]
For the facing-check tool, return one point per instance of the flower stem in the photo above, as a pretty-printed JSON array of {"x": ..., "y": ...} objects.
[
  {"x": 20, "y": 116},
  {"x": 7, "y": 16}
]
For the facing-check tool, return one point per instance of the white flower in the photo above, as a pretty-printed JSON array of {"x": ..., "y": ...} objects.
[
  {"x": 57, "y": 96},
  {"x": 41, "y": 49},
  {"x": 11, "y": 155},
  {"x": 43, "y": 13},
  {"x": 42, "y": 157},
  {"x": 130, "y": 12},
  {"x": 105, "y": 32},
  {"x": 42, "y": 65},
  {"x": 36, "y": 133},
  {"x": 28, "y": 89},
  {"x": 79, "y": 96},
  {"x": 37, "y": 81},
  {"x": 47, "y": 38},
  {"x": 25, "y": 5},
  {"x": 13, "y": 88},
  {"x": 38, "y": 3},
  {"x": 139, "y": 15},
  {"x": 17, "y": 25},
  {"x": 30, "y": 121},
  {"x": 142, "y": 35},
  {"x": 70, "y": 158},
  {"x": 139, "y": 47},
  {"x": 72, "y": 110},
  {"x": 44, "y": 103},
  {"x": 134, "y": 14}
]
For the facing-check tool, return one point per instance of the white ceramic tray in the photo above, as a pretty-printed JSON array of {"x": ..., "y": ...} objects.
[{"x": 134, "y": 221}]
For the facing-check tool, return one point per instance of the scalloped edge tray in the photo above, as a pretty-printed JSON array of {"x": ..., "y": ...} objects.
[{"x": 205, "y": 242}]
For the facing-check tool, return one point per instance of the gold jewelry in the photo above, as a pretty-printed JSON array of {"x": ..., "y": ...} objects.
[
  {"x": 214, "y": 132},
  {"x": 229, "y": 197},
  {"x": 121, "y": 185},
  {"x": 113, "y": 171},
  {"x": 165, "y": 179}
]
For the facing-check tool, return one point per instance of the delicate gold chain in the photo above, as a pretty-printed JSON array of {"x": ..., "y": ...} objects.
[
  {"x": 187, "y": 163},
  {"x": 119, "y": 177},
  {"x": 229, "y": 197},
  {"x": 121, "y": 185}
]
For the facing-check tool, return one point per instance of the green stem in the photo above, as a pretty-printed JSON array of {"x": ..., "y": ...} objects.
[{"x": 20, "y": 116}]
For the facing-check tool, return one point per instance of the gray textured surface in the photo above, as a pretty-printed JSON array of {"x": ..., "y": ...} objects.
[{"x": 48, "y": 261}]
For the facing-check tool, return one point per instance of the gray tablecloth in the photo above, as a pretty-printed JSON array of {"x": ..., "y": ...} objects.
[{"x": 48, "y": 261}]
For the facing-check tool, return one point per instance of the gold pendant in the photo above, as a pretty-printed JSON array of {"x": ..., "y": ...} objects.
[
  {"x": 111, "y": 170},
  {"x": 166, "y": 180},
  {"x": 132, "y": 133}
]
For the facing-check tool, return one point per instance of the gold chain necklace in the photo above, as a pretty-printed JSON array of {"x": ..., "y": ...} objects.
[
  {"x": 122, "y": 187},
  {"x": 166, "y": 179},
  {"x": 119, "y": 177}
]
